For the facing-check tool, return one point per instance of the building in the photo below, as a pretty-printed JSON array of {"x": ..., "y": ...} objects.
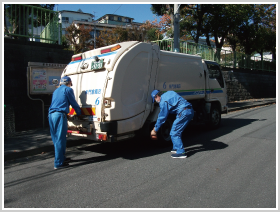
[
  {"x": 116, "y": 20},
  {"x": 67, "y": 17},
  {"x": 107, "y": 22}
]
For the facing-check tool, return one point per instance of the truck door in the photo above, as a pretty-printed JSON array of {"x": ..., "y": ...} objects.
[{"x": 217, "y": 87}]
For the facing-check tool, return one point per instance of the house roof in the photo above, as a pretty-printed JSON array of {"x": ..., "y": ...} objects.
[
  {"x": 76, "y": 12},
  {"x": 114, "y": 15}
]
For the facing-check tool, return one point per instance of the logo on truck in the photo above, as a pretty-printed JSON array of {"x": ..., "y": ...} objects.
[
  {"x": 97, "y": 101},
  {"x": 171, "y": 86},
  {"x": 93, "y": 91}
]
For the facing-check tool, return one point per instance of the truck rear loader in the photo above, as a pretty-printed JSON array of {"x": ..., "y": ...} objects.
[{"x": 113, "y": 87}]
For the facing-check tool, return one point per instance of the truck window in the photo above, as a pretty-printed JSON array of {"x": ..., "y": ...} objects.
[{"x": 215, "y": 73}]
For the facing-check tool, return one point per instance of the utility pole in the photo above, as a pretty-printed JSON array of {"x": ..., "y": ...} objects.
[
  {"x": 94, "y": 39},
  {"x": 176, "y": 28}
]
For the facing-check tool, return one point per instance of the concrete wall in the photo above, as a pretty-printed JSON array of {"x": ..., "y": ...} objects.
[
  {"x": 247, "y": 84},
  {"x": 17, "y": 54}
]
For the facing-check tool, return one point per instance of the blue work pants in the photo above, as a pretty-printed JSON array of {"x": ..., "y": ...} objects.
[
  {"x": 58, "y": 130},
  {"x": 180, "y": 123}
]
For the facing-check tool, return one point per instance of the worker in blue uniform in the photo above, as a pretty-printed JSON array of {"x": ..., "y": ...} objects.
[
  {"x": 172, "y": 103},
  {"x": 62, "y": 97}
]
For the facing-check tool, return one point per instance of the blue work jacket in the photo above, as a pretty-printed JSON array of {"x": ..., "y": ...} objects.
[
  {"x": 63, "y": 96},
  {"x": 172, "y": 103}
]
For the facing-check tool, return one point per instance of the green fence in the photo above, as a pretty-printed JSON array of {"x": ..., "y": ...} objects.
[
  {"x": 51, "y": 32},
  {"x": 225, "y": 58},
  {"x": 32, "y": 23}
]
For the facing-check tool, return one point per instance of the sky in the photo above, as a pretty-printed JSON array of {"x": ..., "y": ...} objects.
[{"x": 140, "y": 12}]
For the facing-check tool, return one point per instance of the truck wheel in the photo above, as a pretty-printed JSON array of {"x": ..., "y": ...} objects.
[
  {"x": 164, "y": 131},
  {"x": 215, "y": 117}
]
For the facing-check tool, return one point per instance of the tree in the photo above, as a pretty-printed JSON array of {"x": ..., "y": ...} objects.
[
  {"x": 151, "y": 31},
  {"x": 165, "y": 10},
  {"x": 64, "y": 42},
  {"x": 147, "y": 31},
  {"x": 241, "y": 25},
  {"x": 164, "y": 25},
  {"x": 78, "y": 36},
  {"x": 193, "y": 16},
  {"x": 136, "y": 33},
  {"x": 258, "y": 32},
  {"x": 112, "y": 36},
  {"x": 167, "y": 19},
  {"x": 153, "y": 34},
  {"x": 266, "y": 30}
]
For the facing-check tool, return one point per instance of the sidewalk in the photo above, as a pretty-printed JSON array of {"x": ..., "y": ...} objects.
[{"x": 34, "y": 142}]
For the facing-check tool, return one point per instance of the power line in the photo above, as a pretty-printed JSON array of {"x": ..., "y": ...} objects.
[
  {"x": 94, "y": 14},
  {"x": 117, "y": 9}
]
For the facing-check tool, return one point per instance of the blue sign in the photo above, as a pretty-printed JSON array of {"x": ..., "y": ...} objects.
[{"x": 93, "y": 91}]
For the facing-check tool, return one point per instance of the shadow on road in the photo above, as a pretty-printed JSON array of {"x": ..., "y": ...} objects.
[{"x": 195, "y": 138}]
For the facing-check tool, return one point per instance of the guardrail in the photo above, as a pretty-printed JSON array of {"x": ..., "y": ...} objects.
[
  {"x": 225, "y": 58},
  {"x": 33, "y": 23}
]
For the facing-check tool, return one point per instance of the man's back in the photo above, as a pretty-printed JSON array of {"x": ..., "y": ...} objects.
[
  {"x": 174, "y": 101},
  {"x": 62, "y": 98}
]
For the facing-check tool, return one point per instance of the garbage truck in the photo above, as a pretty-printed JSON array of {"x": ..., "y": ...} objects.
[{"x": 113, "y": 86}]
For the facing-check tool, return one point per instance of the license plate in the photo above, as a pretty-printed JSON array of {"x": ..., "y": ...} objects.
[{"x": 97, "y": 65}]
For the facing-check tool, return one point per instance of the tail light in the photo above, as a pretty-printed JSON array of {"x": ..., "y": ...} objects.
[
  {"x": 102, "y": 137},
  {"x": 103, "y": 51},
  {"x": 76, "y": 58}
]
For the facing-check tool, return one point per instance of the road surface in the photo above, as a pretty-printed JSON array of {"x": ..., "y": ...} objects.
[{"x": 231, "y": 167}]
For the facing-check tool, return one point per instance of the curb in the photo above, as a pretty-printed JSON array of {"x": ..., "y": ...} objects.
[
  {"x": 36, "y": 151},
  {"x": 251, "y": 105}
]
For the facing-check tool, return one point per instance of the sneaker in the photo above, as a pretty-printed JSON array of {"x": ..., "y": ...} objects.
[
  {"x": 173, "y": 151},
  {"x": 66, "y": 160},
  {"x": 183, "y": 155},
  {"x": 64, "y": 165}
]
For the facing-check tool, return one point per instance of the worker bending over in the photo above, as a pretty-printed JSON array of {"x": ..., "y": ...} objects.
[{"x": 172, "y": 103}]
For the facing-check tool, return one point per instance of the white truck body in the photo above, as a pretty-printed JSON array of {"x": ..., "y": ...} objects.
[{"x": 113, "y": 87}]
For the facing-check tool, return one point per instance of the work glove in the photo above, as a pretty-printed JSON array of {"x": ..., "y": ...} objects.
[{"x": 154, "y": 134}]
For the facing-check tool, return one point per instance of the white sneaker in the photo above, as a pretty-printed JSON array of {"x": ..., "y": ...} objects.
[{"x": 183, "y": 155}]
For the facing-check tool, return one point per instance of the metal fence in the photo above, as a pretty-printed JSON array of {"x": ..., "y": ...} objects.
[
  {"x": 32, "y": 23},
  {"x": 225, "y": 58}
]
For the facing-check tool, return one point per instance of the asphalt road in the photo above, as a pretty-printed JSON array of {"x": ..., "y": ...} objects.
[{"x": 231, "y": 167}]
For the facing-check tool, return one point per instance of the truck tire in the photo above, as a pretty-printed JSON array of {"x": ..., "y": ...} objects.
[
  {"x": 215, "y": 117},
  {"x": 164, "y": 131}
]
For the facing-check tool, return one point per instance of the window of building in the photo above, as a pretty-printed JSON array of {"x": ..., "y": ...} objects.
[
  {"x": 97, "y": 33},
  {"x": 119, "y": 18},
  {"x": 111, "y": 18},
  {"x": 84, "y": 20},
  {"x": 65, "y": 19},
  {"x": 64, "y": 32},
  {"x": 92, "y": 33},
  {"x": 127, "y": 20}
]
